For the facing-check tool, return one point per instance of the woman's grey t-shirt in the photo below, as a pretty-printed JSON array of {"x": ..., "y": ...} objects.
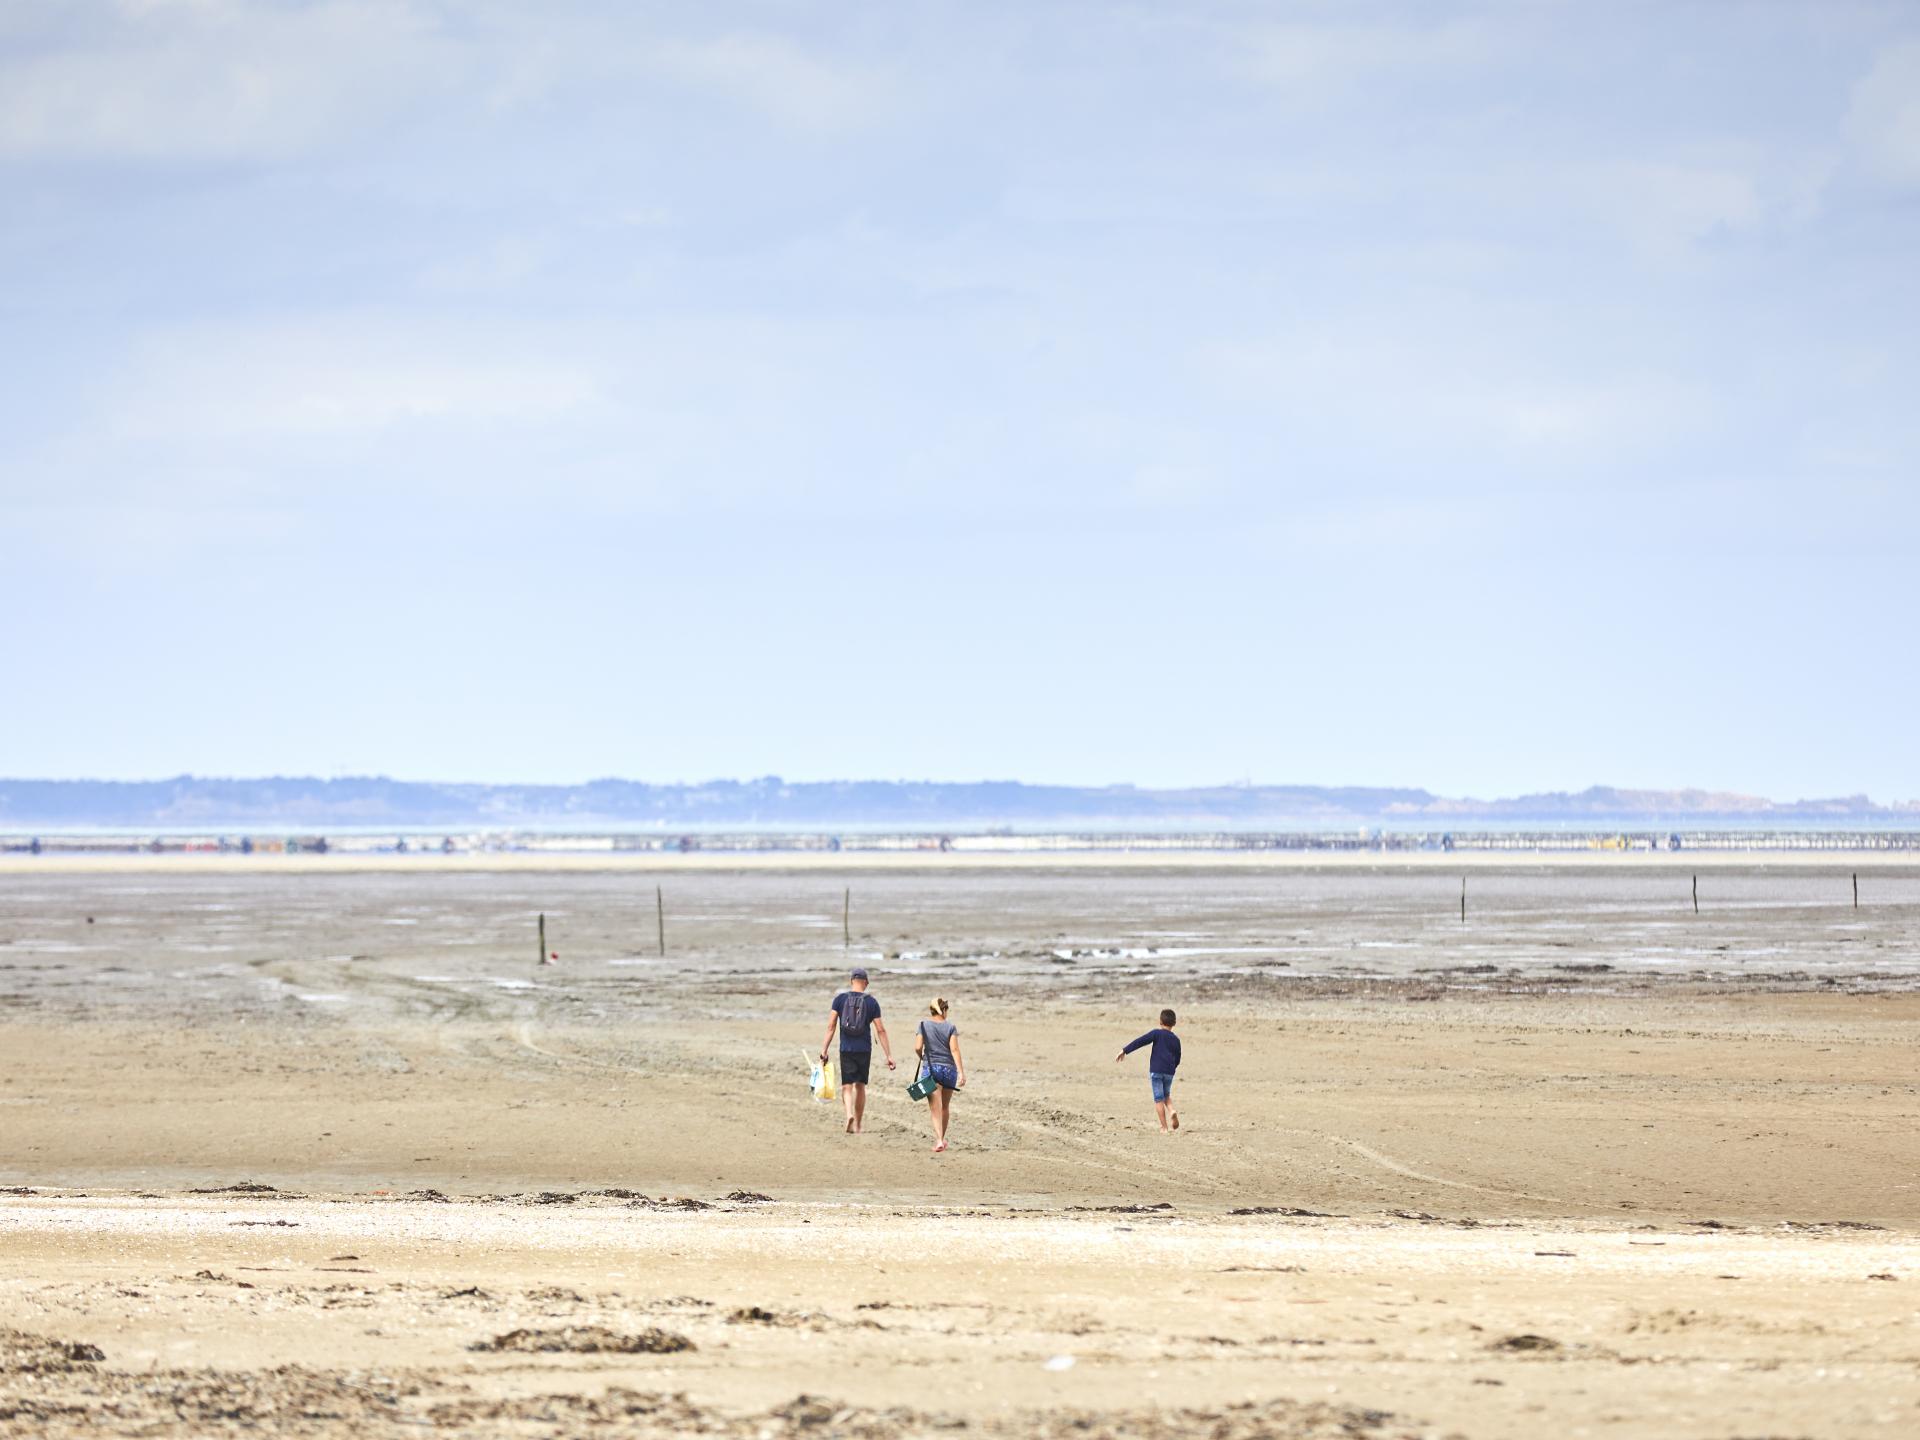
[{"x": 939, "y": 1041}]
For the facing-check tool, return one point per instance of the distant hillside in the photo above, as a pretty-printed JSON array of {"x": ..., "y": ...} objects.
[{"x": 376, "y": 802}]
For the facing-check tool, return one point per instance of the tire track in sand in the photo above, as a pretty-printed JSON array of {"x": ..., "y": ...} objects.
[{"x": 1387, "y": 1162}]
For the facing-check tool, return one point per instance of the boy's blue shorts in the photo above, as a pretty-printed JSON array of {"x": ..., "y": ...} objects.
[{"x": 1162, "y": 1087}]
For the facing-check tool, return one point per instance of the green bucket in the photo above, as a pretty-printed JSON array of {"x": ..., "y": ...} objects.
[{"x": 921, "y": 1088}]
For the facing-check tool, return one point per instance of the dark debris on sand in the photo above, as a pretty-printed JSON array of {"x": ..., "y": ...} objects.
[
  {"x": 1525, "y": 1345},
  {"x": 586, "y": 1340},
  {"x": 22, "y": 1353},
  {"x": 641, "y": 1413},
  {"x": 630, "y": 1199},
  {"x": 1804, "y": 1226},
  {"x": 760, "y": 1315},
  {"x": 613, "y": 1194},
  {"x": 1453, "y": 1222},
  {"x": 244, "y": 1189},
  {"x": 60, "y": 1390},
  {"x": 288, "y": 1400},
  {"x": 555, "y": 1295},
  {"x": 1121, "y": 1209},
  {"x": 1292, "y": 1210}
]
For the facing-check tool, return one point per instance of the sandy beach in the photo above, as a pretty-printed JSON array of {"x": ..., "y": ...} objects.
[{"x": 1586, "y": 1162}]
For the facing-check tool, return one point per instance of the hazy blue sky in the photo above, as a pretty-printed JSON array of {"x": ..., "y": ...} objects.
[{"x": 1490, "y": 397}]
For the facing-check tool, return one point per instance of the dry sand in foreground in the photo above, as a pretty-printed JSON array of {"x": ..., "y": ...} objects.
[{"x": 610, "y": 1314}]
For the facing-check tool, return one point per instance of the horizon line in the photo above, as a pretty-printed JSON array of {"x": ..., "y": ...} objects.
[{"x": 1857, "y": 797}]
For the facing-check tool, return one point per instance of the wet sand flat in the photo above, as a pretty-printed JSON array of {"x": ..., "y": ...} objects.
[{"x": 1680, "y": 1150}]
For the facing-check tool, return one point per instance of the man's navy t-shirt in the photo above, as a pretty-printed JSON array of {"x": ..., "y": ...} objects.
[
  {"x": 857, "y": 1011},
  {"x": 1166, "y": 1050}
]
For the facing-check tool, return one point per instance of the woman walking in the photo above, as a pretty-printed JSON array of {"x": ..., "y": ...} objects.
[{"x": 938, "y": 1045}]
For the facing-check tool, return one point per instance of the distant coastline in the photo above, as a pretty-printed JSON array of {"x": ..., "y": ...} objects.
[{"x": 285, "y": 805}]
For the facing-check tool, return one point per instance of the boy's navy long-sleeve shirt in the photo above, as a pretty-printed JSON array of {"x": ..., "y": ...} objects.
[{"x": 1166, "y": 1050}]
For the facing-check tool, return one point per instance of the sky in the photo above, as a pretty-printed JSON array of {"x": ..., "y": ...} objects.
[{"x": 1494, "y": 398}]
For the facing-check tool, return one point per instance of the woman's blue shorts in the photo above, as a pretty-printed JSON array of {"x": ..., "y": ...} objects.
[
  {"x": 1162, "y": 1087},
  {"x": 944, "y": 1076}
]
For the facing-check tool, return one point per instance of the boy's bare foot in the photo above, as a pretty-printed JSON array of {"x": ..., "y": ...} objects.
[{"x": 1176, "y": 1122}]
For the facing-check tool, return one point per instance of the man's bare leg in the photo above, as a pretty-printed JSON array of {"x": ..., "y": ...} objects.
[
  {"x": 846, "y": 1103},
  {"x": 859, "y": 1108}
]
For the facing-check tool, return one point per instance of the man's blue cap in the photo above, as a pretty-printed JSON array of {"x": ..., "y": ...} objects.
[{"x": 859, "y": 972}]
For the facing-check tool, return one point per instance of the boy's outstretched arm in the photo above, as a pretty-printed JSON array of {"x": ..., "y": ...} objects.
[{"x": 1126, "y": 1050}]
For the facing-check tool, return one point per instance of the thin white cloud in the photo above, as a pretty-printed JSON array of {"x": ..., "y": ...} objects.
[
  {"x": 1311, "y": 62},
  {"x": 1667, "y": 207},
  {"x": 783, "y": 79},
  {"x": 1884, "y": 118},
  {"x": 336, "y": 377},
  {"x": 220, "y": 80},
  {"x": 1454, "y": 396}
]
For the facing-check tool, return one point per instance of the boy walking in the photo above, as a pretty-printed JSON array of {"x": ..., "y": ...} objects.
[
  {"x": 1160, "y": 1067},
  {"x": 857, "y": 1014}
]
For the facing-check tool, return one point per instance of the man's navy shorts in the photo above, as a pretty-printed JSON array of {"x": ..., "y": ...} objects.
[{"x": 854, "y": 1065}]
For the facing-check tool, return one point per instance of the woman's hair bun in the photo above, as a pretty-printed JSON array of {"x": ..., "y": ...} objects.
[{"x": 938, "y": 1007}]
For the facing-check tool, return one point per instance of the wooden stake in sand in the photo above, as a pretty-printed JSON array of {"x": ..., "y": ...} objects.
[
  {"x": 1463, "y": 899},
  {"x": 543, "y": 937},
  {"x": 1696, "y": 894},
  {"x": 660, "y": 918},
  {"x": 846, "y": 917},
  {"x": 1856, "y": 889}
]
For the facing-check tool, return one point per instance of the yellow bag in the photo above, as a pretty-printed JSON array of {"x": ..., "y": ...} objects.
[{"x": 824, "y": 1078}]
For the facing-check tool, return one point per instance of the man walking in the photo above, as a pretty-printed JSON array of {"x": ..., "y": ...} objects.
[{"x": 856, "y": 1013}]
